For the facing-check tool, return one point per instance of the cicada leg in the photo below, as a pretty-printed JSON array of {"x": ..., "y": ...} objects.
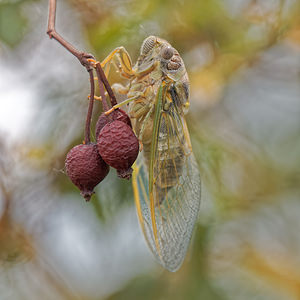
[
  {"x": 147, "y": 117},
  {"x": 141, "y": 114},
  {"x": 121, "y": 60},
  {"x": 120, "y": 88},
  {"x": 127, "y": 101}
]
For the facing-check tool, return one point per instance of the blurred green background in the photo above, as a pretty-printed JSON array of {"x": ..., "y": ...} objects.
[{"x": 243, "y": 59}]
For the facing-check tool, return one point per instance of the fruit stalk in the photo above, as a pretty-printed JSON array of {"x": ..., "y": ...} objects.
[
  {"x": 102, "y": 77},
  {"x": 102, "y": 93},
  {"x": 87, "y": 134},
  {"x": 83, "y": 57}
]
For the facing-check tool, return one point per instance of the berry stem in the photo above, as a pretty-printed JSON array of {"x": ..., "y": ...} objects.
[
  {"x": 81, "y": 56},
  {"x": 102, "y": 77},
  {"x": 86, "y": 59},
  {"x": 102, "y": 94},
  {"x": 87, "y": 134}
]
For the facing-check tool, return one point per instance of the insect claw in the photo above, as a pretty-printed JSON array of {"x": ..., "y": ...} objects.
[
  {"x": 93, "y": 61},
  {"x": 98, "y": 98},
  {"x": 141, "y": 145},
  {"x": 95, "y": 97},
  {"x": 109, "y": 111}
]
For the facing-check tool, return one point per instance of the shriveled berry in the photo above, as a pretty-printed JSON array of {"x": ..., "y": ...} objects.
[
  {"x": 119, "y": 147},
  {"x": 120, "y": 115},
  {"x": 117, "y": 114},
  {"x": 86, "y": 168}
]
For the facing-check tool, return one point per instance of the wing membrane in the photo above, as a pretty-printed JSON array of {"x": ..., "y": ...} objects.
[{"x": 167, "y": 189}]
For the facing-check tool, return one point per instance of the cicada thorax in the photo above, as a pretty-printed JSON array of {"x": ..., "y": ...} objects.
[{"x": 170, "y": 138}]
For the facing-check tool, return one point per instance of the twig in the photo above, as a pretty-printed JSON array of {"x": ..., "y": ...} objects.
[
  {"x": 87, "y": 134},
  {"x": 101, "y": 75},
  {"x": 88, "y": 61},
  {"x": 83, "y": 57},
  {"x": 103, "y": 97}
]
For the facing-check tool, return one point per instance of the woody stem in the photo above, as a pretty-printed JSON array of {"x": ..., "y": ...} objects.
[
  {"x": 87, "y": 134},
  {"x": 86, "y": 60},
  {"x": 81, "y": 56},
  {"x": 102, "y": 77}
]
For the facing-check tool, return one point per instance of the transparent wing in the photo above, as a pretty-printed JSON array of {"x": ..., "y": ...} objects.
[{"x": 167, "y": 186}]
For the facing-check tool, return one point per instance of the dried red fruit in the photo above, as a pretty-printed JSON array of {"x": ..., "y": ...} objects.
[
  {"x": 120, "y": 115},
  {"x": 117, "y": 114},
  {"x": 86, "y": 168},
  {"x": 119, "y": 147}
]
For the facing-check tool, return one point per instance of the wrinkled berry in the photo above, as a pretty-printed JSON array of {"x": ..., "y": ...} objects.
[
  {"x": 119, "y": 147},
  {"x": 86, "y": 168},
  {"x": 117, "y": 114}
]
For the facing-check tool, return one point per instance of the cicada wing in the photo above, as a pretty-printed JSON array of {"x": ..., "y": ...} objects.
[{"x": 167, "y": 190}]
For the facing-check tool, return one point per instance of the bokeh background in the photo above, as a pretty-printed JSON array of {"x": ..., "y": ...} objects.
[{"x": 243, "y": 59}]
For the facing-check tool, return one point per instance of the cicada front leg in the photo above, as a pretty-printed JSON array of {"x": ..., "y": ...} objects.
[
  {"x": 127, "y": 101},
  {"x": 121, "y": 60},
  {"x": 141, "y": 113},
  {"x": 120, "y": 88}
]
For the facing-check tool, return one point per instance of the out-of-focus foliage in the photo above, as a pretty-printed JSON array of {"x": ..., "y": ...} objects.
[
  {"x": 12, "y": 22},
  {"x": 243, "y": 60}
]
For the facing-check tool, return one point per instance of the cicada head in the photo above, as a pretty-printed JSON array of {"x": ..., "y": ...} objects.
[{"x": 158, "y": 53}]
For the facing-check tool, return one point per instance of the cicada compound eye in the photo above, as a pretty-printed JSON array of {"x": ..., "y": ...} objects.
[
  {"x": 148, "y": 44},
  {"x": 167, "y": 52}
]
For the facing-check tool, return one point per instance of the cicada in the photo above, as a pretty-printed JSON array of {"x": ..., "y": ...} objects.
[{"x": 166, "y": 180}]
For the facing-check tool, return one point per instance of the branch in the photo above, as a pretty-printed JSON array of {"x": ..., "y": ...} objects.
[
  {"x": 82, "y": 56},
  {"x": 102, "y": 77},
  {"x": 102, "y": 93},
  {"x": 88, "y": 61},
  {"x": 87, "y": 134}
]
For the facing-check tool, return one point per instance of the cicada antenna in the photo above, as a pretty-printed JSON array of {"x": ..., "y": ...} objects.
[{"x": 147, "y": 30}]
